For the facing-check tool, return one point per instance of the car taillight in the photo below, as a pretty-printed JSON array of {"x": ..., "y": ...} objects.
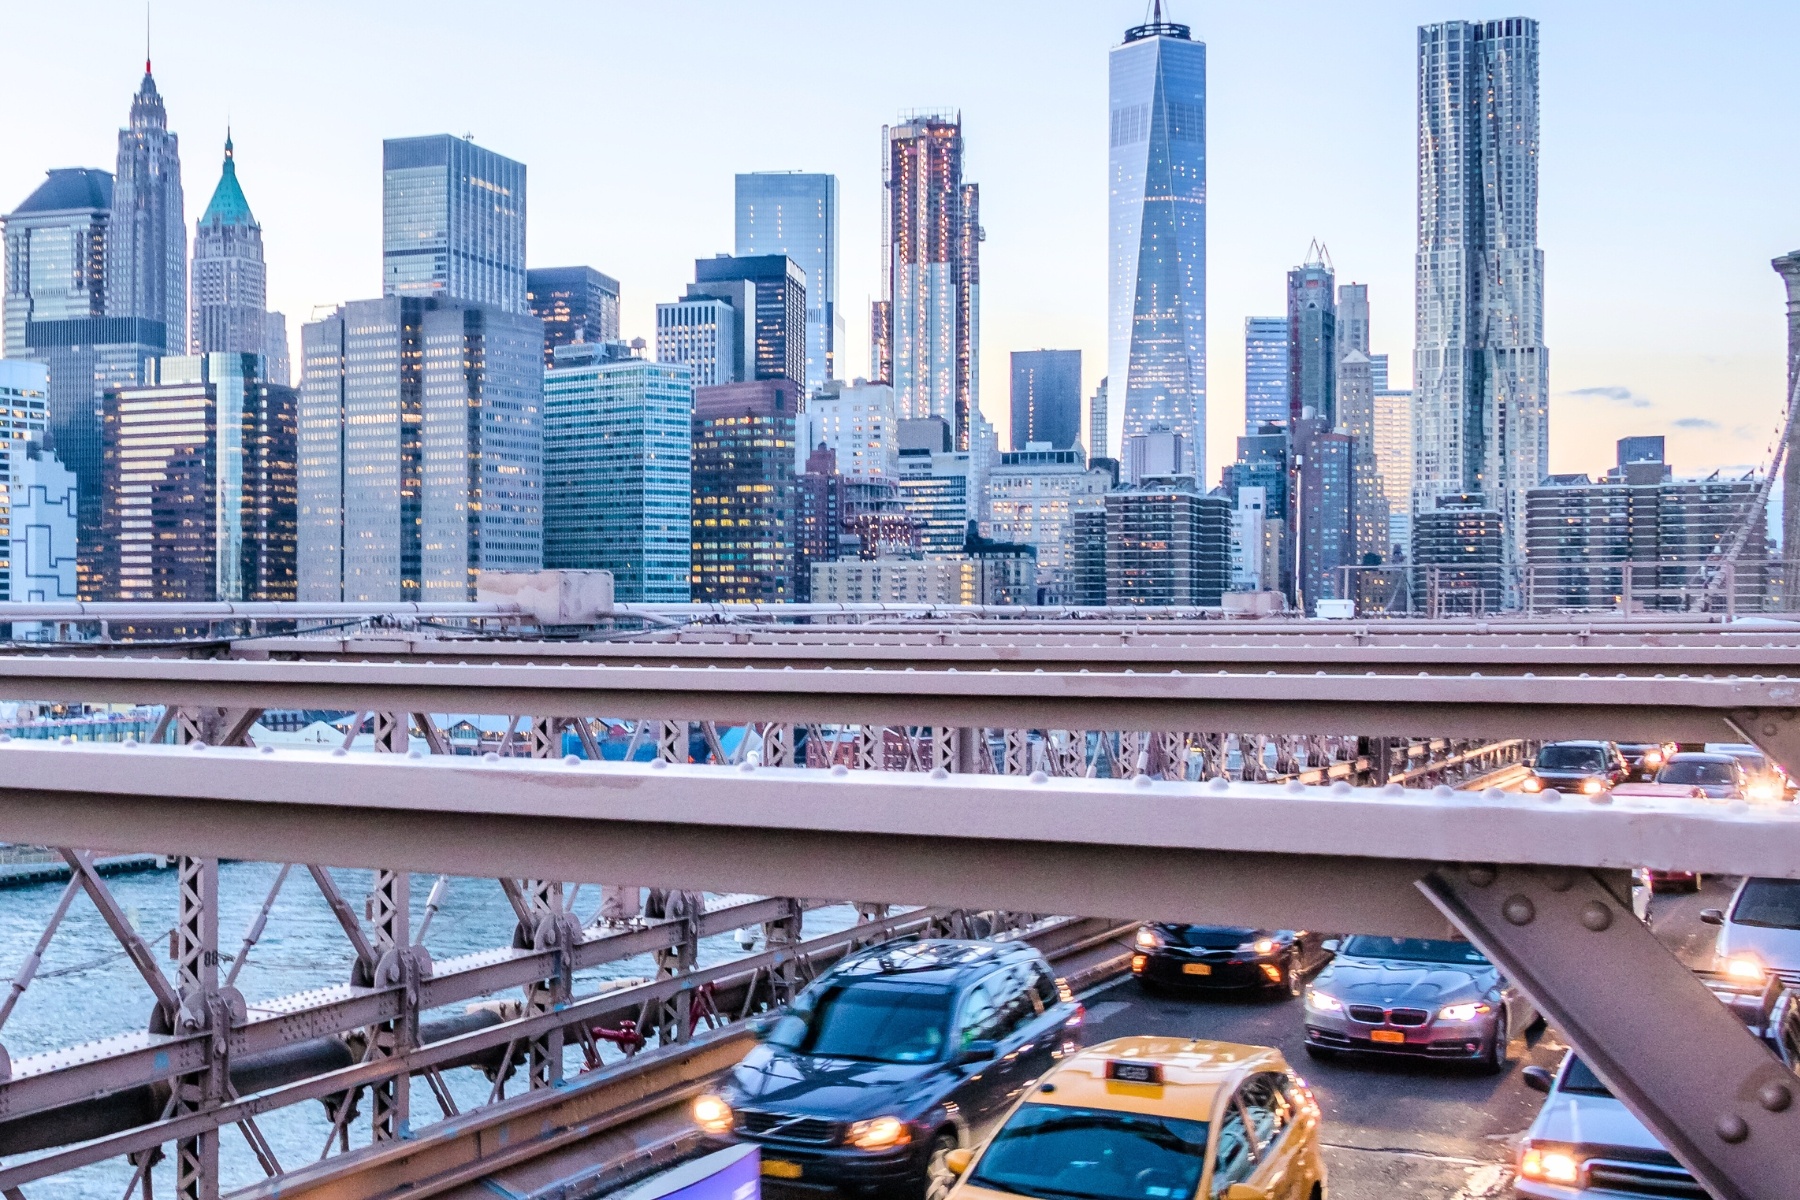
[{"x": 1076, "y": 1017}]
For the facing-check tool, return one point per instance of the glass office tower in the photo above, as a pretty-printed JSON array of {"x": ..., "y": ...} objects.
[
  {"x": 576, "y": 304},
  {"x": 796, "y": 214},
  {"x": 1265, "y": 371},
  {"x": 1156, "y": 335},
  {"x": 1046, "y": 398},
  {"x": 452, "y": 222}
]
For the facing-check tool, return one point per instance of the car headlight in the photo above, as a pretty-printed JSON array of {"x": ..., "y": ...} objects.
[
  {"x": 1653, "y": 758},
  {"x": 1149, "y": 939},
  {"x": 1463, "y": 1012},
  {"x": 1762, "y": 789},
  {"x": 1550, "y": 1166},
  {"x": 1263, "y": 945},
  {"x": 1592, "y": 787},
  {"x": 1532, "y": 784},
  {"x": 879, "y": 1133},
  {"x": 1745, "y": 968},
  {"x": 712, "y": 1114},
  {"x": 1319, "y": 1002}
]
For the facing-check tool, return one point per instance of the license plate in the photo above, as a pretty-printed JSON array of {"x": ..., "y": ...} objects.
[
  {"x": 1196, "y": 968},
  {"x": 780, "y": 1168},
  {"x": 1393, "y": 1036}
]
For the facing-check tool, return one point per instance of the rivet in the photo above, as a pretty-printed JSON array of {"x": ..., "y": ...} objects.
[
  {"x": 939, "y": 773},
  {"x": 490, "y": 756},
  {"x": 1558, "y": 881},
  {"x": 571, "y": 760},
  {"x": 1774, "y": 1096},
  {"x": 657, "y": 764},
  {"x": 839, "y": 769},
  {"x": 1519, "y": 910},
  {"x": 1482, "y": 876},
  {"x": 197, "y": 745},
  {"x": 338, "y": 752},
  {"x": 1039, "y": 777},
  {"x": 1769, "y": 729},
  {"x": 1141, "y": 780},
  {"x": 1732, "y": 1128},
  {"x": 260, "y": 749},
  {"x": 1596, "y": 916},
  {"x": 1493, "y": 794}
]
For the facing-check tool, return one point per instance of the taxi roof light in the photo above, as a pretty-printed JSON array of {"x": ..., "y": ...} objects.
[{"x": 1128, "y": 1071}]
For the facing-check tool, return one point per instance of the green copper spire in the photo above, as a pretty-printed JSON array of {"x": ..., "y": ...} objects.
[{"x": 228, "y": 206}]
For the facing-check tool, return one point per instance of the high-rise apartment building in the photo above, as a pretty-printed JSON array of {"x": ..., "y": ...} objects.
[
  {"x": 1323, "y": 511},
  {"x": 146, "y": 238},
  {"x": 1033, "y": 496},
  {"x": 796, "y": 213},
  {"x": 858, "y": 424},
  {"x": 1099, "y": 433},
  {"x": 1312, "y": 339},
  {"x": 618, "y": 439},
  {"x": 773, "y": 328},
  {"x": 1167, "y": 545},
  {"x": 928, "y": 324},
  {"x": 452, "y": 222},
  {"x": 1458, "y": 554},
  {"x": 1156, "y": 330},
  {"x": 37, "y": 494},
  {"x": 200, "y": 484},
  {"x": 421, "y": 449},
  {"x": 938, "y": 484},
  {"x": 1265, "y": 371},
  {"x": 1046, "y": 398},
  {"x": 701, "y": 333},
  {"x": 576, "y": 304},
  {"x": 1393, "y": 444},
  {"x": 743, "y": 491},
  {"x": 1352, "y": 318},
  {"x": 1356, "y": 419},
  {"x": 1480, "y": 369},
  {"x": 229, "y": 285}
]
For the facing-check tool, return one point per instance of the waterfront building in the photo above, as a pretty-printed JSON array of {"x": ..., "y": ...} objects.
[
  {"x": 1033, "y": 496},
  {"x": 229, "y": 282},
  {"x": 1099, "y": 435},
  {"x": 421, "y": 449},
  {"x": 1156, "y": 285},
  {"x": 1265, "y": 371},
  {"x": 858, "y": 422},
  {"x": 702, "y": 333},
  {"x": 795, "y": 213},
  {"x": 576, "y": 304},
  {"x": 773, "y": 323},
  {"x": 37, "y": 493},
  {"x": 146, "y": 237},
  {"x": 618, "y": 440},
  {"x": 743, "y": 518},
  {"x": 1312, "y": 339},
  {"x": 199, "y": 477},
  {"x": 452, "y": 222},
  {"x": 1167, "y": 545},
  {"x": 927, "y": 324},
  {"x": 1046, "y": 398},
  {"x": 1480, "y": 368}
]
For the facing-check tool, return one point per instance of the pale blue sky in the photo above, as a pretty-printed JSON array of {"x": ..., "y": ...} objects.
[{"x": 1669, "y": 177}]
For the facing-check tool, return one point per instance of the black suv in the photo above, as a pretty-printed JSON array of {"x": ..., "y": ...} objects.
[{"x": 893, "y": 1058}]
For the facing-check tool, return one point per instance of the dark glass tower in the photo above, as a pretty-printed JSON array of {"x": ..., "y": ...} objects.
[{"x": 1046, "y": 398}]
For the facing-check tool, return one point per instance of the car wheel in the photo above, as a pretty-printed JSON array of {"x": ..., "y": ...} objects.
[
  {"x": 1501, "y": 1052},
  {"x": 939, "y": 1178},
  {"x": 1296, "y": 976}
]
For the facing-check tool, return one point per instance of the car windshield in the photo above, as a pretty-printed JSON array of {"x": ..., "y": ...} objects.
[
  {"x": 1580, "y": 1078},
  {"x": 876, "y": 1022},
  {"x": 1771, "y": 903},
  {"x": 1692, "y": 772},
  {"x": 1414, "y": 950},
  {"x": 1212, "y": 937},
  {"x": 1054, "y": 1151},
  {"x": 1571, "y": 758}
]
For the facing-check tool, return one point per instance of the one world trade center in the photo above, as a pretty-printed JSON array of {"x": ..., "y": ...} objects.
[{"x": 1156, "y": 342}]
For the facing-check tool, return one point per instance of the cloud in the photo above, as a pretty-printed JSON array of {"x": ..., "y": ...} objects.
[
  {"x": 1696, "y": 423},
  {"x": 1618, "y": 395}
]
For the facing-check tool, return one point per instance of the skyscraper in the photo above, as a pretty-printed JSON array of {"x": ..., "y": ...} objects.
[
  {"x": 56, "y": 253},
  {"x": 146, "y": 240},
  {"x": 1156, "y": 337},
  {"x": 1479, "y": 364},
  {"x": 1312, "y": 339},
  {"x": 1265, "y": 371},
  {"x": 701, "y": 333},
  {"x": 576, "y": 304},
  {"x": 744, "y": 523},
  {"x": 230, "y": 284},
  {"x": 774, "y": 329},
  {"x": 1046, "y": 398},
  {"x": 1099, "y": 441},
  {"x": 452, "y": 222},
  {"x": 37, "y": 494},
  {"x": 931, "y": 274},
  {"x": 796, "y": 214},
  {"x": 421, "y": 449}
]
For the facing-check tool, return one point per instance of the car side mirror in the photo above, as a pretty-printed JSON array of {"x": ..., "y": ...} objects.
[
  {"x": 1330, "y": 945},
  {"x": 1539, "y": 1079},
  {"x": 958, "y": 1160},
  {"x": 1712, "y": 916},
  {"x": 978, "y": 1052},
  {"x": 1245, "y": 1191}
]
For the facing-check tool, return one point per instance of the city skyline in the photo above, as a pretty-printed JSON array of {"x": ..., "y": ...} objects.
[{"x": 1707, "y": 368}]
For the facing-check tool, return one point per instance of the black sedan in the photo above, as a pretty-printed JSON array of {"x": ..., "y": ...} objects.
[
  {"x": 1210, "y": 957},
  {"x": 1586, "y": 767},
  {"x": 891, "y": 1060}
]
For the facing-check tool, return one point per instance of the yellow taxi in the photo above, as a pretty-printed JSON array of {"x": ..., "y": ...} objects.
[{"x": 1155, "y": 1118}]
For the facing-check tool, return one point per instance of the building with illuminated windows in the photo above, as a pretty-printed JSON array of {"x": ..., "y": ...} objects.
[
  {"x": 771, "y": 317},
  {"x": 1033, "y": 497},
  {"x": 37, "y": 493},
  {"x": 576, "y": 304},
  {"x": 857, "y": 422},
  {"x": 744, "y": 522},
  {"x": 618, "y": 434},
  {"x": 795, "y": 213},
  {"x": 928, "y": 324},
  {"x": 701, "y": 334},
  {"x": 1046, "y": 398},
  {"x": 1265, "y": 371},
  {"x": 1156, "y": 285},
  {"x": 452, "y": 222},
  {"x": 1167, "y": 545}
]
